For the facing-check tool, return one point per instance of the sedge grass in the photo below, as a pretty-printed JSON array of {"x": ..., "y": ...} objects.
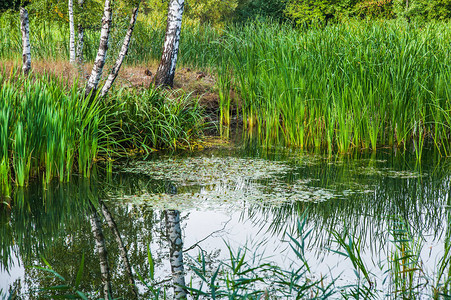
[
  {"x": 347, "y": 86},
  {"x": 199, "y": 45},
  {"x": 43, "y": 127},
  {"x": 49, "y": 131}
]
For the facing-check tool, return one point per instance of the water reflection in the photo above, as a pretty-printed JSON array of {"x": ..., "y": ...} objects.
[
  {"x": 96, "y": 228},
  {"x": 176, "y": 252},
  {"x": 112, "y": 222}
]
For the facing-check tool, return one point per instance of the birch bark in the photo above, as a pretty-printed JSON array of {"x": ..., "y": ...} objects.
[
  {"x": 166, "y": 69},
  {"x": 26, "y": 48},
  {"x": 99, "y": 63},
  {"x": 124, "y": 49},
  {"x": 176, "y": 252},
  {"x": 71, "y": 32},
  {"x": 80, "y": 37}
]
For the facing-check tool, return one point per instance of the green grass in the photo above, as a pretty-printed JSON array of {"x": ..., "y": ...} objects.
[
  {"x": 50, "y": 40},
  {"x": 157, "y": 118},
  {"x": 46, "y": 127},
  {"x": 357, "y": 85},
  {"x": 50, "y": 131}
]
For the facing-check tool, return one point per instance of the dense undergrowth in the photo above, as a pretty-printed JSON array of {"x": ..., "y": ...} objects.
[
  {"x": 50, "y": 130},
  {"x": 50, "y": 40}
]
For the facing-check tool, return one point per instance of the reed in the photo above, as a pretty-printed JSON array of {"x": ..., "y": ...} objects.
[
  {"x": 359, "y": 85},
  {"x": 356, "y": 85},
  {"x": 50, "y": 40},
  {"x": 406, "y": 270},
  {"x": 50, "y": 131},
  {"x": 157, "y": 119},
  {"x": 43, "y": 127}
]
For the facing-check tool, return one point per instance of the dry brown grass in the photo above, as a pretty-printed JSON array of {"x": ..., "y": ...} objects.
[{"x": 190, "y": 80}]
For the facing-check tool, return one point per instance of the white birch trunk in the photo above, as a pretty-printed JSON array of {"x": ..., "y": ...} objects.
[
  {"x": 96, "y": 228},
  {"x": 71, "y": 32},
  {"x": 80, "y": 37},
  {"x": 166, "y": 69},
  {"x": 176, "y": 252},
  {"x": 99, "y": 63},
  {"x": 124, "y": 49},
  {"x": 26, "y": 52}
]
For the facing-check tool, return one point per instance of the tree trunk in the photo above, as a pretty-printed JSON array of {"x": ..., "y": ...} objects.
[
  {"x": 176, "y": 252},
  {"x": 96, "y": 228},
  {"x": 26, "y": 52},
  {"x": 80, "y": 37},
  {"x": 166, "y": 69},
  {"x": 99, "y": 63},
  {"x": 113, "y": 226},
  {"x": 72, "y": 32},
  {"x": 122, "y": 53}
]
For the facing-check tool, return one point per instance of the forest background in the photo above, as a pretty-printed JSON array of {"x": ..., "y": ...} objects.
[{"x": 219, "y": 12}]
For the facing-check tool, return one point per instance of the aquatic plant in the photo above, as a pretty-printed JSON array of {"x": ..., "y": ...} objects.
[
  {"x": 355, "y": 85},
  {"x": 66, "y": 289},
  {"x": 157, "y": 118},
  {"x": 50, "y": 130},
  {"x": 46, "y": 128}
]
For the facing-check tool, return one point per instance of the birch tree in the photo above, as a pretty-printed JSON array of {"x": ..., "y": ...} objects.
[
  {"x": 80, "y": 36},
  {"x": 166, "y": 69},
  {"x": 99, "y": 62},
  {"x": 26, "y": 48},
  {"x": 124, "y": 49},
  {"x": 71, "y": 32}
]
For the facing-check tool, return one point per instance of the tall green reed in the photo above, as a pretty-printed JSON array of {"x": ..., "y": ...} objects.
[
  {"x": 43, "y": 128},
  {"x": 405, "y": 267},
  {"x": 156, "y": 118},
  {"x": 356, "y": 85}
]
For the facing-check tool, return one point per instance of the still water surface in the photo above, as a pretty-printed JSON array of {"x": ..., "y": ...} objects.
[{"x": 229, "y": 199}]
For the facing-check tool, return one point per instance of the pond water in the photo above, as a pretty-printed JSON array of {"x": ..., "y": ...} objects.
[{"x": 278, "y": 208}]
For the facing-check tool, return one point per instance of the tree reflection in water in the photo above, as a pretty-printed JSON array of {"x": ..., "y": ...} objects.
[
  {"x": 174, "y": 234},
  {"x": 96, "y": 228}
]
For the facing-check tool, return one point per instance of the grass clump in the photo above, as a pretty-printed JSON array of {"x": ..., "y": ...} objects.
[
  {"x": 356, "y": 85},
  {"x": 157, "y": 118},
  {"x": 50, "y": 130},
  {"x": 46, "y": 129}
]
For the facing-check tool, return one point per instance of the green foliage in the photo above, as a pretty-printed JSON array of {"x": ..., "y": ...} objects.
[
  {"x": 156, "y": 118},
  {"x": 321, "y": 11},
  {"x": 47, "y": 130},
  {"x": 305, "y": 12},
  {"x": 57, "y": 11},
  {"x": 210, "y": 11},
  {"x": 9, "y": 4},
  {"x": 381, "y": 9},
  {"x": 423, "y": 10},
  {"x": 248, "y": 9},
  {"x": 214, "y": 12},
  {"x": 311, "y": 11}
]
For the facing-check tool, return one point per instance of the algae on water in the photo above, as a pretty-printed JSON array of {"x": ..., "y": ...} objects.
[{"x": 215, "y": 182}]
